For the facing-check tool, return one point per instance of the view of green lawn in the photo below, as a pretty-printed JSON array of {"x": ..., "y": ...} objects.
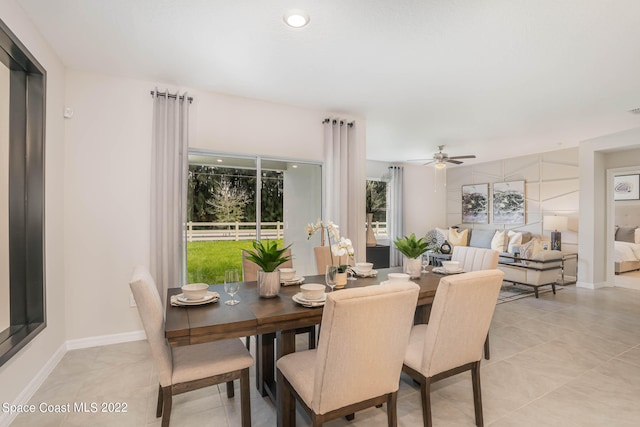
[{"x": 207, "y": 261}]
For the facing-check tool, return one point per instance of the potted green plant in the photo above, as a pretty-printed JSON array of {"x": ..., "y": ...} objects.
[
  {"x": 412, "y": 249},
  {"x": 268, "y": 257}
]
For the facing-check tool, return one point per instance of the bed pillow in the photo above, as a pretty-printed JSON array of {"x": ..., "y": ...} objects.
[
  {"x": 636, "y": 236},
  {"x": 626, "y": 234},
  {"x": 497, "y": 243},
  {"x": 515, "y": 239},
  {"x": 458, "y": 238}
]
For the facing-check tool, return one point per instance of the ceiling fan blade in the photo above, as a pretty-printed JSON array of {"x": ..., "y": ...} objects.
[
  {"x": 463, "y": 157},
  {"x": 455, "y": 162},
  {"x": 419, "y": 160},
  {"x": 429, "y": 162}
]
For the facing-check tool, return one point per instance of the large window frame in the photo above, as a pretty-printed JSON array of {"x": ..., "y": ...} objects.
[{"x": 27, "y": 91}]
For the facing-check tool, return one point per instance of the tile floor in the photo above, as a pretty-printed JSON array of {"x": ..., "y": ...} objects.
[{"x": 572, "y": 359}]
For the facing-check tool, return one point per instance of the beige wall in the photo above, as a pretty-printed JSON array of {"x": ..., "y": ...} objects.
[
  {"x": 551, "y": 188},
  {"x": 17, "y": 373}
]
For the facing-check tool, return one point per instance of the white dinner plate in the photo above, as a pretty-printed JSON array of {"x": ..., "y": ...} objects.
[
  {"x": 293, "y": 281},
  {"x": 209, "y": 297},
  {"x": 441, "y": 270},
  {"x": 308, "y": 303}
]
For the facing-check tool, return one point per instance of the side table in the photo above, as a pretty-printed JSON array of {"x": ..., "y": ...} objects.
[{"x": 436, "y": 259}]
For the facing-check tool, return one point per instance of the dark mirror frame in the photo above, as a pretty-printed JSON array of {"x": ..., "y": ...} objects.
[{"x": 27, "y": 89}]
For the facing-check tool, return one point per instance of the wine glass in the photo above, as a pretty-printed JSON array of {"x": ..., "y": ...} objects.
[
  {"x": 425, "y": 263},
  {"x": 330, "y": 276},
  {"x": 231, "y": 285}
]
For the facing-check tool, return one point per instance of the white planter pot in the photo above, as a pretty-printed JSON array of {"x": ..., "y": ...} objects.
[
  {"x": 268, "y": 283},
  {"x": 413, "y": 267}
]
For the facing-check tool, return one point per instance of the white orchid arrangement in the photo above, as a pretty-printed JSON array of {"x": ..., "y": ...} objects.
[{"x": 341, "y": 246}]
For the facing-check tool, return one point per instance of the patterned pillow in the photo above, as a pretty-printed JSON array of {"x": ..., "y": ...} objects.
[
  {"x": 458, "y": 238},
  {"x": 444, "y": 232},
  {"x": 529, "y": 249}
]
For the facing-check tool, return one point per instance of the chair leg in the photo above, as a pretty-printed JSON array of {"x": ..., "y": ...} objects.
[
  {"x": 425, "y": 391},
  {"x": 487, "y": 352},
  {"x": 230, "y": 391},
  {"x": 392, "y": 410},
  {"x": 288, "y": 403},
  {"x": 312, "y": 338},
  {"x": 245, "y": 401},
  {"x": 477, "y": 394},
  {"x": 159, "y": 407},
  {"x": 166, "y": 405}
]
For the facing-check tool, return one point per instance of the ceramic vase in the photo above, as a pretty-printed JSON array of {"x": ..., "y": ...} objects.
[
  {"x": 268, "y": 283},
  {"x": 341, "y": 280},
  {"x": 413, "y": 267},
  {"x": 371, "y": 237}
]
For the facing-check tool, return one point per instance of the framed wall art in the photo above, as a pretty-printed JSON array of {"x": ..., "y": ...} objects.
[
  {"x": 626, "y": 187},
  {"x": 475, "y": 203},
  {"x": 508, "y": 202}
]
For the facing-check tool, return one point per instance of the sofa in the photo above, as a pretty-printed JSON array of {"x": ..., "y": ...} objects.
[{"x": 533, "y": 267}]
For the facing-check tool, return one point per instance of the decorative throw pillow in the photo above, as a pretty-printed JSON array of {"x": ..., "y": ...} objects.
[
  {"x": 529, "y": 249},
  {"x": 497, "y": 243},
  {"x": 458, "y": 238},
  {"x": 626, "y": 234},
  {"x": 515, "y": 239},
  {"x": 526, "y": 236},
  {"x": 481, "y": 238},
  {"x": 444, "y": 232}
]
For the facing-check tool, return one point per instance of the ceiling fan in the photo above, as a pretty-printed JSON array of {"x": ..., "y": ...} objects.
[{"x": 442, "y": 159}]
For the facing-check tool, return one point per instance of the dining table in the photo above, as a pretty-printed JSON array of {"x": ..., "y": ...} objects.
[{"x": 273, "y": 321}]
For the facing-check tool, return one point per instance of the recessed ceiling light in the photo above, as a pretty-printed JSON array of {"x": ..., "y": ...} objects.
[
  {"x": 294, "y": 166},
  {"x": 219, "y": 160},
  {"x": 296, "y": 18}
]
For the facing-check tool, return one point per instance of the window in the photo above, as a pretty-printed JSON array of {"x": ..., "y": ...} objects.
[
  {"x": 377, "y": 205},
  {"x": 234, "y": 200}
]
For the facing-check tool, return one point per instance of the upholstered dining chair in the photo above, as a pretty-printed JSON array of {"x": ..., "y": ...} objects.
[
  {"x": 359, "y": 356},
  {"x": 452, "y": 341},
  {"x": 324, "y": 258},
  {"x": 475, "y": 259},
  {"x": 182, "y": 369}
]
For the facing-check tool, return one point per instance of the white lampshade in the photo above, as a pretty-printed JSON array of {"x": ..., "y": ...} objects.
[{"x": 555, "y": 222}]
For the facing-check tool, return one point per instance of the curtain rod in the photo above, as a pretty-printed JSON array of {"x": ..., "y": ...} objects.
[
  {"x": 170, "y": 95},
  {"x": 335, "y": 121}
]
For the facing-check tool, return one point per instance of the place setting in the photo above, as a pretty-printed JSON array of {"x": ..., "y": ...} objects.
[
  {"x": 449, "y": 267},
  {"x": 311, "y": 295},
  {"x": 363, "y": 269},
  {"x": 194, "y": 294},
  {"x": 288, "y": 277}
]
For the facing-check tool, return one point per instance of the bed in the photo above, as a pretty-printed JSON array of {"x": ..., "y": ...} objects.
[{"x": 627, "y": 256}]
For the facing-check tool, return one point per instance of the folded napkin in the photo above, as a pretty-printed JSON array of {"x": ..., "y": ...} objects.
[{"x": 177, "y": 303}]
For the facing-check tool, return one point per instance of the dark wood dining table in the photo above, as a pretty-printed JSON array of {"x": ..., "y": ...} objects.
[{"x": 272, "y": 321}]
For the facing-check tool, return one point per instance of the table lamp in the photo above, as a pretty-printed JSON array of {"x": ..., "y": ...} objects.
[{"x": 556, "y": 224}]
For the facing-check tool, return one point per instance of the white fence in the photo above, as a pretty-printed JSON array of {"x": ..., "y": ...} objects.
[{"x": 205, "y": 231}]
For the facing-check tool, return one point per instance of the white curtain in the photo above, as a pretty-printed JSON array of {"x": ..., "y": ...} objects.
[
  {"x": 169, "y": 160},
  {"x": 342, "y": 170},
  {"x": 396, "y": 213}
]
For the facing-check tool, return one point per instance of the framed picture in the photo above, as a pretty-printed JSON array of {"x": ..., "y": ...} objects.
[
  {"x": 475, "y": 203},
  {"x": 626, "y": 187},
  {"x": 508, "y": 202}
]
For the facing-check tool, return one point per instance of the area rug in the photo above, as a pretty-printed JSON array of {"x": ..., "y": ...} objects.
[{"x": 510, "y": 292}]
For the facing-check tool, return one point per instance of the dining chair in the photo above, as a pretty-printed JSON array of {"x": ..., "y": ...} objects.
[
  {"x": 325, "y": 258},
  {"x": 452, "y": 341},
  {"x": 475, "y": 259},
  {"x": 250, "y": 274},
  {"x": 187, "y": 368},
  {"x": 359, "y": 356}
]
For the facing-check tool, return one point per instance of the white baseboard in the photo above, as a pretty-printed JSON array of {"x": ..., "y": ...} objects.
[
  {"x": 105, "y": 340},
  {"x": 589, "y": 285},
  {"x": 25, "y": 395}
]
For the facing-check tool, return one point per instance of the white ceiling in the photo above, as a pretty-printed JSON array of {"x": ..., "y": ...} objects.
[{"x": 497, "y": 78}]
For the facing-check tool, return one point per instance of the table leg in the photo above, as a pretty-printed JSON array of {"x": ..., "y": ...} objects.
[
  {"x": 422, "y": 314},
  {"x": 285, "y": 344},
  {"x": 264, "y": 363}
]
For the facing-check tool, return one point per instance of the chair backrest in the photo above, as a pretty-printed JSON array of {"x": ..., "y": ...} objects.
[
  {"x": 250, "y": 268},
  {"x": 365, "y": 332},
  {"x": 151, "y": 313},
  {"x": 324, "y": 258},
  {"x": 474, "y": 259},
  {"x": 459, "y": 322}
]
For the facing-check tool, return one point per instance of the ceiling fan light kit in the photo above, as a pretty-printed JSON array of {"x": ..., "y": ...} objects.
[{"x": 442, "y": 159}]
